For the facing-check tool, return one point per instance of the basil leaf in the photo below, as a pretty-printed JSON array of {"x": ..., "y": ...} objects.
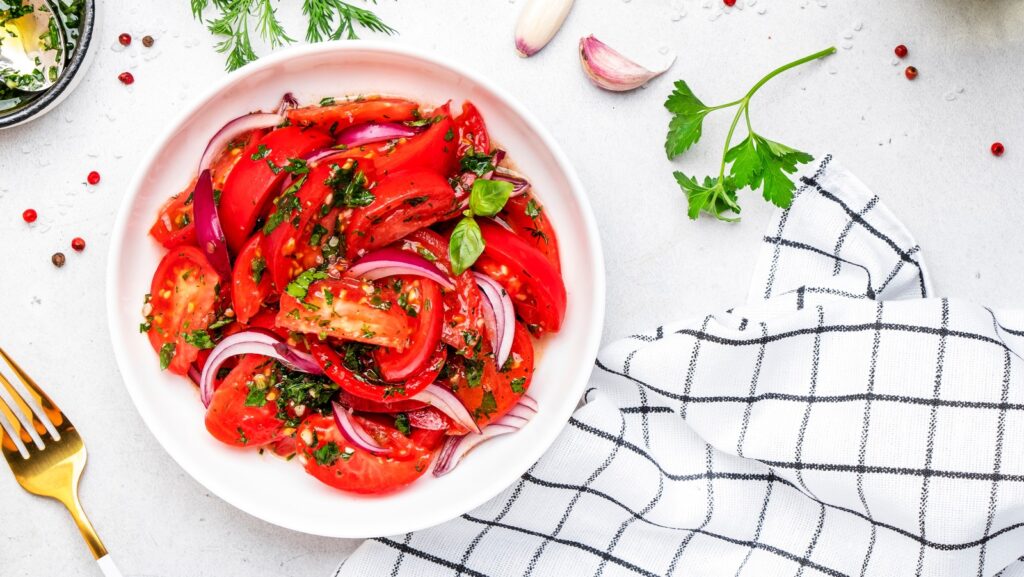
[
  {"x": 466, "y": 245},
  {"x": 488, "y": 197}
]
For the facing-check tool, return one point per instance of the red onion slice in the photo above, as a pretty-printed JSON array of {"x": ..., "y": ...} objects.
[
  {"x": 363, "y": 134},
  {"x": 392, "y": 261},
  {"x": 443, "y": 400},
  {"x": 255, "y": 343},
  {"x": 354, "y": 433},
  {"x": 455, "y": 448},
  {"x": 208, "y": 230},
  {"x": 520, "y": 185},
  {"x": 504, "y": 316},
  {"x": 231, "y": 130}
]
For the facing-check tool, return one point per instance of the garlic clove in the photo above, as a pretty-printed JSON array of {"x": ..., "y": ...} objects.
[
  {"x": 610, "y": 70},
  {"x": 538, "y": 23}
]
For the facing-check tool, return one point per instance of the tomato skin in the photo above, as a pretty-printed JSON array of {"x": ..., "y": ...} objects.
[
  {"x": 472, "y": 131},
  {"x": 536, "y": 230},
  {"x": 352, "y": 314},
  {"x": 405, "y": 202},
  {"x": 495, "y": 383},
  {"x": 230, "y": 420},
  {"x": 362, "y": 405},
  {"x": 358, "y": 471},
  {"x": 247, "y": 293},
  {"x": 252, "y": 183},
  {"x": 333, "y": 366},
  {"x": 536, "y": 287},
  {"x": 183, "y": 296},
  {"x": 433, "y": 150},
  {"x": 463, "y": 313},
  {"x": 345, "y": 114},
  {"x": 423, "y": 296}
]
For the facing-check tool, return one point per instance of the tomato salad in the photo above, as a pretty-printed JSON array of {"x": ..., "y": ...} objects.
[{"x": 357, "y": 284}]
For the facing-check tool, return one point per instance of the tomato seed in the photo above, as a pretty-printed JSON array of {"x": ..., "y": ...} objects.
[
  {"x": 78, "y": 244},
  {"x": 125, "y": 39},
  {"x": 997, "y": 149},
  {"x": 901, "y": 51},
  {"x": 147, "y": 41},
  {"x": 93, "y": 178},
  {"x": 729, "y": 2},
  {"x": 29, "y": 215},
  {"x": 58, "y": 259},
  {"x": 910, "y": 72},
  {"x": 126, "y": 78}
]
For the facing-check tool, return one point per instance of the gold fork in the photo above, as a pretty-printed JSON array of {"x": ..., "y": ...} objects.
[{"x": 45, "y": 451}]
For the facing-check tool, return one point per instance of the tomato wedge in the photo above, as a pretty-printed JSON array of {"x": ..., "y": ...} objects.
[
  {"x": 487, "y": 392},
  {"x": 405, "y": 202},
  {"x": 334, "y": 117},
  {"x": 536, "y": 287},
  {"x": 250, "y": 286},
  {"x": 335, "y": 462},
  {"x": 472, "y": 131},
  {"x": 336, "y": 370},
  {"x": 183, "y": 297},
  {"x": 433, "y": 150},
  {"x": 463, "y": 322},
  {"x": 235, "y": 417},
  {"x": 253, "y": 182},
  {"x": 174, "y": 226},
  {"x": 420, "y": 299},
  {"x": 346, "y": 309},
  {"x": 527, "y": 219}
]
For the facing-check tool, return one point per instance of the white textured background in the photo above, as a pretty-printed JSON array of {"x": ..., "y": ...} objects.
[{"x": 922, "y": 145}]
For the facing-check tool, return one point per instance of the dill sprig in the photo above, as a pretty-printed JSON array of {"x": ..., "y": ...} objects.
[{"x": 326, "y": 20}]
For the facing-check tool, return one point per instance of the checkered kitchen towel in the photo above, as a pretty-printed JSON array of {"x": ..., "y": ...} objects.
[{"x": 842, "y": 422}]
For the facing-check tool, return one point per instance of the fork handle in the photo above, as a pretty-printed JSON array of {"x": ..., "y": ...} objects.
[{"x": 108, "y": 567}]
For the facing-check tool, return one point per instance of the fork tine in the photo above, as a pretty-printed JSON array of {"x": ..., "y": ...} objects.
[
  {"x": 6, "y": 419},
  {"x": 20, "y": 410},
  {"x": 36, "y": 399}
]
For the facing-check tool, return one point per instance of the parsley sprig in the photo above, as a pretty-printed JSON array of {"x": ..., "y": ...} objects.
[
  {"x": 327, "y": 20},
  {"x": 755, "y": 163}
]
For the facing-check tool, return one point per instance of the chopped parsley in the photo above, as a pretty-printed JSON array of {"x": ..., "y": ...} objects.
[
  {"x": 257, "y": 266},
  {"x": 299, "y": 287},
  {"x": 518, "y": 385},
  {"x": 199, "y": 339},
  {"x": 287, "y": 205},
  {"x": 426, "y": 253},
  {"x": 349, "y": 186},
  {"x": 166, "y": 355},
  {"x": 533, "y": 209},
  {"x": 261, "y": 152},
  {"x": 478, "y": 163},
  {"x": 327, "y": 101},
  {"x": 474, "y": 372},
  {"x": 487, "y": 406},
  {"x": 257, "y": 396},
  {"x": 327, "y": 454},
  {"x": 402, "y": 424}
]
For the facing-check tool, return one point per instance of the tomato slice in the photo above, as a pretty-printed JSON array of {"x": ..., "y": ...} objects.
[
  {"x": 527, "y": 219},
  {"x": 487, "y": 392},
  {"x": 183, "y": 297},
  {"x": 236, "y": 419},
  {"x": 472, "y": 131},
  {"x": 433, "y": 150},
  {"x": 346, "y": 309},
  {"x": 536, "y": 287},
  {"x": 359, "y": 404},
  {"x": 335, "y": 462},
  {"x": 334, "y": 117},
  {"x": 405, "y": 202},
  {"x": 174, "y": 226},
  {"x": 463, "y": 322},
  {"x": 253, "y": 182},
  {"x": 336, "y": 370},
  {"x": 249, "y": 282},
  {"x": 298, "y": 243},
  {"x": 420, "y": 299}
]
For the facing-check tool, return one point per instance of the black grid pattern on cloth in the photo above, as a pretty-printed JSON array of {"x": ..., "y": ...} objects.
[{"x": 839, "y": 423}]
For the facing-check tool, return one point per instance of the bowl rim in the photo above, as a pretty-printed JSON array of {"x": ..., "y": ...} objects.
[
  {"x": 590, "y": 340},
  {"x": 67, "y": 82}
]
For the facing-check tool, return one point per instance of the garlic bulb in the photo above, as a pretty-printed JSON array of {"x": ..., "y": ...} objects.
[
  {"x": 538, "y": 23},
  {"x": 611, "y": 70}
]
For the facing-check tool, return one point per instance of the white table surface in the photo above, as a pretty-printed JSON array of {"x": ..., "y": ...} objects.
[{"x": 922, "y": 145}]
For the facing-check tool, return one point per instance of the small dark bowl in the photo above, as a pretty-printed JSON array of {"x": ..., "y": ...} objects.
[{"x": 69, "y": 79}]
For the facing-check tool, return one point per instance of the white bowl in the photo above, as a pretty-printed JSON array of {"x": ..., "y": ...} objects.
[{"x": 170, "y": 406}]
